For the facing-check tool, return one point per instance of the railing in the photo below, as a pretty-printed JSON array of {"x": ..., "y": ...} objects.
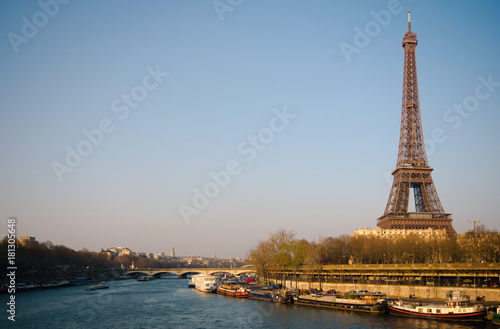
[
  {"x": 477, "y": 275},
  {"x": 413, "y": 215}
]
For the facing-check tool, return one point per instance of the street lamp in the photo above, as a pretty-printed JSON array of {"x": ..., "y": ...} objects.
[
  {"x": 475, "y": 236},
  {"x": 474, "y": 223}
]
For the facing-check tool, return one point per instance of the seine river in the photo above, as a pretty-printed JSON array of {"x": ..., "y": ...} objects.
[{"x": 168, "y": 303}]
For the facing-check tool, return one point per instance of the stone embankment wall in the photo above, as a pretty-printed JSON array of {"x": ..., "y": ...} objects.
[{"x": 401, "y": 291}]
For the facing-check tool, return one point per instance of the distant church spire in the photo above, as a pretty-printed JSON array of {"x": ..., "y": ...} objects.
[{"x": 213, "y": 254}]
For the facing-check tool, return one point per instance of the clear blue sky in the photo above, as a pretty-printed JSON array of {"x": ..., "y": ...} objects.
[{"x": 178, "y": 88}]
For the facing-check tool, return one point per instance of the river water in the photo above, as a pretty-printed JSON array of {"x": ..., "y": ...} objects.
[{"x": 168, "y": 303}]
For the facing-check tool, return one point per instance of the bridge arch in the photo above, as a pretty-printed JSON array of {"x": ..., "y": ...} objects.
[
  {"x": 135, "y": 273},
  {"x": 183, "y": 272},
  {"x": 214, "y": 271},
  {"x": 158, "y": 274},
  {"x": 247, "y": 271}
]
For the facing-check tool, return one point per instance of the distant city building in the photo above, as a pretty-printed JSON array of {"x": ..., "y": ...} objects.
[
  {"x": 192, "y": 260},
  {"x": 114, "y": 250},
  {"x": 108, "y": 254},
  {"x": 119, "y": 251},
  {"x": 161, "y": 256},
  {"x": 125, "y": 251},
  {"x": 393, "y": 233},
  {"x": 23, "y": 240}
]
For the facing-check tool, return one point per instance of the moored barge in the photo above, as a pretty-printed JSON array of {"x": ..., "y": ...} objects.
[
  {"x": 261, "y": 295},
  {"x": 457, "y": 308},
  {"x": 363, "y": 302},
  {"x": 283, "y": 297},
  {"x": 496, "y": 317},
  {"x": 232, "y": 290}
]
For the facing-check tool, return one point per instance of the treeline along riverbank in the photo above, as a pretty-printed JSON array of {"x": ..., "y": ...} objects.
[
  {"x": 283, "y": 253},
  {"x": 42, "y": 262}
]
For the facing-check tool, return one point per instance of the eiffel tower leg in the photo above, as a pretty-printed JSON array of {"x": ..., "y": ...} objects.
[
  {"x": 434, "y": 202},
  {"x": 419, "y": 199},
  {"x": 402, "y": 196},
  {"x": 390, "y": 203},
  {"x": 398, "y": 199}
]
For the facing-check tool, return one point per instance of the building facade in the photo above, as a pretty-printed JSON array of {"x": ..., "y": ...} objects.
[{"x": 394, "y": 233}]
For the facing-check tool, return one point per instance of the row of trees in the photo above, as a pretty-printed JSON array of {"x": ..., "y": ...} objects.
[
  {"x": 481, "y": 245},
  {"x": 282, "y": 250},
  {"x": 45, "y": 260}
]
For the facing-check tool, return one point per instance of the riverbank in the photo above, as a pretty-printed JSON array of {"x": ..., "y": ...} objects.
[
  {"x": 94, "y": 275},
  {"x": 403, "y": 291}
]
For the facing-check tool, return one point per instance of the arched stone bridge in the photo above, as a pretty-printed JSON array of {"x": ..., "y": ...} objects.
[{"x": 183, "y": 272}]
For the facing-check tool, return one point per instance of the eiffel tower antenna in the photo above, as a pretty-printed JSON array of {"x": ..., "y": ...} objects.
[{"x": 412, "y": 169}]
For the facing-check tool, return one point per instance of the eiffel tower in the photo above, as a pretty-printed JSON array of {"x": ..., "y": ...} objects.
[{"x": 412, "y": 169}]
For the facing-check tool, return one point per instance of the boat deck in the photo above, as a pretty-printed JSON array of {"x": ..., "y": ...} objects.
[{"x": 341, "y": 303}]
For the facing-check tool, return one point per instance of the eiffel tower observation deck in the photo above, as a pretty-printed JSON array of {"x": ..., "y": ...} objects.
[{"x": 413, "y": 173}]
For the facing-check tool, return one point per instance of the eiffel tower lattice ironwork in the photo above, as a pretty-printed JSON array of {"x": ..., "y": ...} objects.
[{"x": 412, "y": 169}]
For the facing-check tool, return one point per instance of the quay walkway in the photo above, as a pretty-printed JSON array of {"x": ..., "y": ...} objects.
[
  {"x": 437, "y": 274},
  {"x": 422, "y": 280}
]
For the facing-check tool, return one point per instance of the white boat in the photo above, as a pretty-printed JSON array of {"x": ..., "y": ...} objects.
[
  {"x": 145, "y": 278},
  {"x": 100, "y": 285},
  {"x": 456, "y": 307},
  {"x": 204, "y": 282}
]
